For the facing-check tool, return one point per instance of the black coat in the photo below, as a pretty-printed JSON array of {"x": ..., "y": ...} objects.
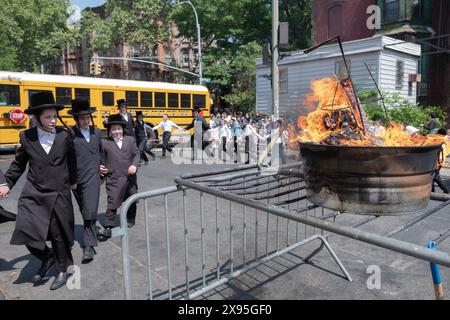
[
  {"x": 88, "y": 172},
  {"x": 139, "y": 131},
  {"x": 5, "y": 216},
  {"x": 46, "y": 190},
  {"x": 118, "y": 161},
  {"x": 129, "y": 129},
  {"x": 205, "y": 126}
]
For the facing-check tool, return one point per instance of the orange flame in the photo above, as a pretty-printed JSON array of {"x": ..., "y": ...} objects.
[{"x": 328, "y": 96}]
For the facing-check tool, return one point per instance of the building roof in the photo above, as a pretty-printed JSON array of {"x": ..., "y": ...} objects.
[
  {"x": 25, "y": 76},
  {"x": 375, "y": 43}
]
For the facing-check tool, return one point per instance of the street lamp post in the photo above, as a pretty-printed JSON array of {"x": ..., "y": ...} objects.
[{"x": 200, "y": 67}]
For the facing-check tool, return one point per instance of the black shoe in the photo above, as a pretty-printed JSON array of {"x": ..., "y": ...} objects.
[
  {"x": 131, "y": 224},
  {"x": 146, "y": 163},
  {"x": 88, "y": 254},
  {"x": 105, "y": 234},
  {"x": 42, "y": 272},
  {"x": 60, "y": 280}
]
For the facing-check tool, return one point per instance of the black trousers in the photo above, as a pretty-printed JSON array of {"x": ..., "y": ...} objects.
[
  {"x": 110, "y": 214},
  {"x": 90, "y": 233},
  {"x": 441, "y": 184},
  {"x": 166, "y": 140},
  {"x": 142, "y": 144},
  {"x": 60, "y": 248}
]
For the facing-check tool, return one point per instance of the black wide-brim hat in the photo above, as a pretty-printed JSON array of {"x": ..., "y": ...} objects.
[
  {"x": 121, "y": 102},
  {"x": 115, "y": 119},
  {"x": 81, "y": 107},
  {"x": 42, "y": 100}
]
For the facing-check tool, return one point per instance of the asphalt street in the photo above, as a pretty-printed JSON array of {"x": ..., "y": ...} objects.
[{"x": 286, "y": 277}]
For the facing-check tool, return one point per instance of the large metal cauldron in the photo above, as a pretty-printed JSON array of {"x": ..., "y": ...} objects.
[{"x": 369, "y": 180}]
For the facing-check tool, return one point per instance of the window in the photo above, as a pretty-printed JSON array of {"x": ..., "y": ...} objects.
[
  {"x": 160, "y": 100},
  {"x": 108, "y": 99},
  {"x": 9, "y": 95},
  {"x": 340, "y": 70},
  {"x": 84, "y": 94},
  {"x": 64, "y": 96},
  {"x": 391, "y": 10},
  {"x": 185, "y": 57},
  {"x": 400, "y": 74},
  {"x": 284, "y": 87},
  {"x": 334, "y": 21},
  {"x": 136, "y": 51},
  {"x": 173, "y": 100},
  {"x": 168, "y": 58},
  {"x": 146, "y": 99},
  {"x": 132, "y": 98},
  {"x": 186, "y": 101},
  {"x": 199, "y": 101}
]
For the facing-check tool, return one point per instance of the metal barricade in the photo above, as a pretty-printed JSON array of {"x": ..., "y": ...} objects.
[
  {"x": 257, "y": 217},
  {"x": 221, "y": 244}
]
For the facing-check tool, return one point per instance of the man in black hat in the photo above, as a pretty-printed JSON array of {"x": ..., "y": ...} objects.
[
  {"x": 127, "y": 117},
  {"x": 121, "y": 158},
  {"x": 45, "y": 209},
  {"x": 5, "y": 216},
  {"x": 201, "y": 126},
  {"x": 87, "y": 145},
  {"x": 140, "y": 130}
]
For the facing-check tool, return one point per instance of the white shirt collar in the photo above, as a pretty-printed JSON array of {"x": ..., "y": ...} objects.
[{"x": 42, "y": 132}]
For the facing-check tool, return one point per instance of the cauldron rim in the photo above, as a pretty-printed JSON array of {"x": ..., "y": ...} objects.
[{"x": 430, "y": 147}]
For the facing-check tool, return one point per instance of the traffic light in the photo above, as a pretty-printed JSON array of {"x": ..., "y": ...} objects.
[
  {"x": 98, "y": 69},
  {"x": 93, "y": 67}
]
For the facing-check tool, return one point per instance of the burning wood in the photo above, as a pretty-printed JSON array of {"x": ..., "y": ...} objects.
[{"x": 337, "y": 121}]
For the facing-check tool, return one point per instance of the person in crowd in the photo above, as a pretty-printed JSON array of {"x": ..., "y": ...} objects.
[
  {"x": 434, "y": 124},
  {"x": 437, "y": 177},
  {"x": 121, "y": 160},
  {"x": 141, "y": 137},
  {"x": 45, "y": 210},
  {"x": 87, "y": 145},
  {"x": 166, "y": 124},
  {"x": 200, "y": 126}
]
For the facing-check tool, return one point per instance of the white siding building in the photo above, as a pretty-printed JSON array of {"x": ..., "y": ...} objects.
[{"x": 391, "y": 61}]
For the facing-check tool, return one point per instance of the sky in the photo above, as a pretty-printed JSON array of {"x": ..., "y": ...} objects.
[{"x": 81, "y": 4}]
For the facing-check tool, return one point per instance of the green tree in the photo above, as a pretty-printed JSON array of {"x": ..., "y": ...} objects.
[
  {"x": 140, "y": 23},
  {"x": 38, "y": 30},
  {"x": 8, "y": 58}
]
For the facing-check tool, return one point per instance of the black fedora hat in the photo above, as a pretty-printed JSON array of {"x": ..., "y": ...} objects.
[
  {"x": 42, "y": 100},
  {"x": 139, "y": 113},
  {"x": 115, "y": 119},
  {"x": 81, "y": 107},
  {"x": 121, "y": 102}
]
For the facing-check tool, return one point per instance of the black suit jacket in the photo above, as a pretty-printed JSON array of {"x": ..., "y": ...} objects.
[
  {"x": 129, "y": 129},
  {"x": 88, "y": 173},
  {"x": 47, "y": 188}
]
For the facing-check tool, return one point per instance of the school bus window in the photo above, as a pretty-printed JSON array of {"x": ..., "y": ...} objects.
[
  {"x": 132, "y": 98},
  {"x": 185, "y": 101},
  {"x": 108, "y": 98},
  {"x": 173, "y": 100},
  {"x": 84, "y": 94},
  {"x": 64, "y": 96},
  {"x": 160, "y": 100},
  {"x": 199, "y": 101},
  {"x": 9, "y": 95},
  {"x": 146, "y": 99}
]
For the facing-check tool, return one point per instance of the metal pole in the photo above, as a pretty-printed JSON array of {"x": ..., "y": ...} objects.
[
  {"x": 200, "y": 67},
  {"x": 275, "y": 69}
]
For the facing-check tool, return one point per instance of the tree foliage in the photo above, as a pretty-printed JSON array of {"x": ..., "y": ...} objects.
[
  {"x": 35, "y": 30},
  {"x": 399, "y": 110}
]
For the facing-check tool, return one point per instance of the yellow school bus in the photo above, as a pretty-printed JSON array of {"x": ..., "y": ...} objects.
[{"x": 154, "y": 99}]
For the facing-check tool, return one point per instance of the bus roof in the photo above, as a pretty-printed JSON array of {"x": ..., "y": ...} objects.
[{"x": 25, "y": 76}]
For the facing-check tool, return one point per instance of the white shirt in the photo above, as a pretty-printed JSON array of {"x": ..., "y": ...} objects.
[
  {"x": 167, "y": 126},
  {"x": 46, "y": 139},
  {"x": 125, "y": 116},
  {"x": 86, "y": 133},
  {"x": 119, "y": 142}
]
